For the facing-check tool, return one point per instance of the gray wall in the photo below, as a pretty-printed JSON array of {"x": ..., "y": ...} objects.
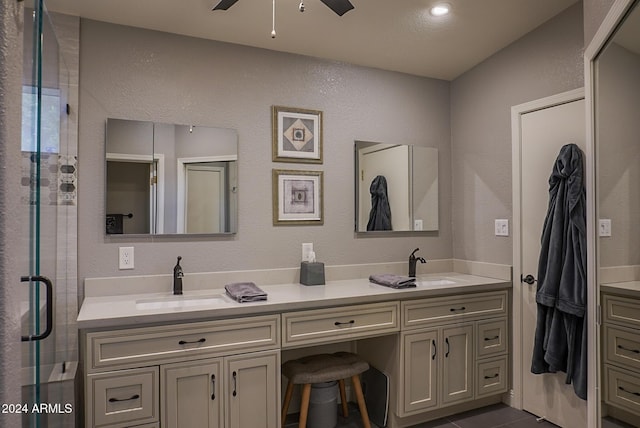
[
  {"x": 544, "y": 62},
  {"x": 618, "y": 127},
  {"x": 11, "y": 22},
  {"x": 145, "y": 75},
  {"x": 594, "y": 13}
]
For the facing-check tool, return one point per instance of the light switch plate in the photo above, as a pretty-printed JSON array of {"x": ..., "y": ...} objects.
[
  {"x": 604, "y": 227},
  {"x": 125, "y": 258},
  {"x": 502, "y": 227}
]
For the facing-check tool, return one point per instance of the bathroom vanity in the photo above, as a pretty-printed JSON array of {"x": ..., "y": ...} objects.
[
  {"x": 621, "y": 350},
  {"x": 164, "y": 364}
]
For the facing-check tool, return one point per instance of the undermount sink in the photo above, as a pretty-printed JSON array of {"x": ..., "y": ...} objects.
[
  {"x": 178, "y": 302},
  {"x": 432, "y": 282}
]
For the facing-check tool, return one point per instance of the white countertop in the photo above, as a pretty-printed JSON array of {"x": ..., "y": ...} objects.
[
  {"x": 124, "y": 310},
  {"x": 628, "y": 288}
]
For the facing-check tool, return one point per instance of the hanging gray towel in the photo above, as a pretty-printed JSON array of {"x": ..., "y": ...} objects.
[
  {"x": 560, "y": 339},
  {"x": 380, "y": 214},
  {"x": 245, "y": 292},
  {"x": 393, "y": 281}
]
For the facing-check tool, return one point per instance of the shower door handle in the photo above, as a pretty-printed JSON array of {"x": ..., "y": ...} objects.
[{"x": 49, "y": 288}]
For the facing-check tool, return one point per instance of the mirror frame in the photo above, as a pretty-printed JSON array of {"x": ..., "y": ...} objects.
[{"x": 609, "y": 25}]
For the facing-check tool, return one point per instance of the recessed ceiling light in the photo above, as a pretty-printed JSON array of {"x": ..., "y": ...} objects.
[{"x": 440, "y": 9}]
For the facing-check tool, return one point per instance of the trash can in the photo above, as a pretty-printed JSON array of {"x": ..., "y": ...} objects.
[{"x": 323, "y": 405}]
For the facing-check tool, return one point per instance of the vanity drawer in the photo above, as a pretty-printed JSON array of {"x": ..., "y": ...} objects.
[
  {"x": 622, "y": 347},
  {"x": 417, "y": 313},
  {"x": 336, "y": 324},
  {"x": 621, "y": 310},
  {"x": 491, "y": 338},
  {"x": 123, "y": 398},
  {"x": 491, "y": 376},
  {"x": 154, "y": 345},
  {"x": 622, "y": 389}
]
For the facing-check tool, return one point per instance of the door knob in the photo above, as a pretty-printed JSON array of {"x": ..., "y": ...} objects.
[{"x": 529, "y": 279}]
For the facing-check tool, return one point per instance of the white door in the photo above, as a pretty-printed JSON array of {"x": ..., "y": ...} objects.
[
  {"x": 542, "y": 133},
  {"x": 205, "y": 202}
]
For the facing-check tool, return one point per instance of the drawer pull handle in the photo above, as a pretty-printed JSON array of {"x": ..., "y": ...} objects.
[
  {"x": 635, "y": 351},
  {"x": 458, "y": 309},
  {"x": 235, "y": 384},
  {"x": 116, "y": 400},
  {"x": 492, "y": 377},
  {"x": 446, "y": 340},
  {"x": 338, "y": 323},
  {"x": 487, "y": 339},
  {"x": 435, "y": 349},
  {"x": 213, "y": 387},
  {"x": 186, "y": 342},
  {"x": 637, "y": 394}
]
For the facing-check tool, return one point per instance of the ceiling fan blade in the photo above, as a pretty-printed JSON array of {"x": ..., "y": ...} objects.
[
  {"x": 338, "y": 6},
  {"x": 225, "y": 4}
]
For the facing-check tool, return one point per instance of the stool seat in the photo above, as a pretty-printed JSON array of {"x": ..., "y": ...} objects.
[
  {"x": 324, "y": 368},
  {"x": 321, "y": 368}
]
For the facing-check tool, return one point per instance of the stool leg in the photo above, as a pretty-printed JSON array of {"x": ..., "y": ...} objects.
[
  {"x": 361, "y": 404},
  {"x": 343, "y": 398},
  {"x": 304, "y": 405},
  {"x": 287, "y": 400}
]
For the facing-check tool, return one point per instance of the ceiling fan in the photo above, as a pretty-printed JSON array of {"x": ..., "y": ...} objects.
[{"x": 338, "y": 6}]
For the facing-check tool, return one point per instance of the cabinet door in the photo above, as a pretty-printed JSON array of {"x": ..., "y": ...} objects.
[
  {"x": 457, "y": 364},
  {"x": 252, "y": 390},
  {"x": 419, "y": 372},
  {"x": 191, "y": 393}
]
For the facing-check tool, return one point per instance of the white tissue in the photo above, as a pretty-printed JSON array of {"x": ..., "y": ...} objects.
[{"x": 312, "y": 257}]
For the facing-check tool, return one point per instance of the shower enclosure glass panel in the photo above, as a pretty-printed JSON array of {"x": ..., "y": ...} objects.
[{"x": 44, "y": 186}]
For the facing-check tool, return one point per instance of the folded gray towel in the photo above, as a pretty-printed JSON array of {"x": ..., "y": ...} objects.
[
  {"x": 245, "y": 292},
  {"x": 393, "y": 281}
]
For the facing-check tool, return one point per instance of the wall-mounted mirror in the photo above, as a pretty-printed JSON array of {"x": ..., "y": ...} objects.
[
  {"x": 170, "y": 179},
  {"x": 396, "y": 187},
  {"x": 616, "y": 89}
]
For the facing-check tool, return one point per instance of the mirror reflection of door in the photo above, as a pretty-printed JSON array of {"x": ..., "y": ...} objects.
[
  {"x": 205, "y": 190},
  {"x": 205, "y": 214},
  {"x": 382, "y": 159}
]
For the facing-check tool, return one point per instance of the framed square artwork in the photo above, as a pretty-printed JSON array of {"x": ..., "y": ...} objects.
[
  {"x": 297, "y": 197},
  {"x": 297, "y": 135}
]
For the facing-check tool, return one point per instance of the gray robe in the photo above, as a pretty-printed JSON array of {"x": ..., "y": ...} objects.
[
  {"x": 380, "y": 214},
  {"x": 560, "y": 339}
]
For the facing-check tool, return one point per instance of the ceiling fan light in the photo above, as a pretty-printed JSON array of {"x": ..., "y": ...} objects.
[{"x": 441, "y": 9}]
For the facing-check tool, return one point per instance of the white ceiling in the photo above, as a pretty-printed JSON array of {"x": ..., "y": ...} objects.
[{"x": 398, "y": 35}]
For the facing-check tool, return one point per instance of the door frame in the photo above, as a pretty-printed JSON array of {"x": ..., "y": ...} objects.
[{"x": 516, "y": 397}]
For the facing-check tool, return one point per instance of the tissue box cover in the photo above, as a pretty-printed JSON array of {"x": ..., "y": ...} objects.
[{"x": 312, "y": 273}]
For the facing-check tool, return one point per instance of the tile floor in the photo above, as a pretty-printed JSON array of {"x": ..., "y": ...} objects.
[{"x": 497, "y": 415}]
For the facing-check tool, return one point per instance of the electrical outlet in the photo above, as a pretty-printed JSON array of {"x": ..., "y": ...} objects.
[
  {"x": 604, "y": 227},
  {"x": 125, "y": 260},
  {"x": 502, "y": 227},
  {"x": 307, "y": 249},
  {"x": 417, "y": 224}
]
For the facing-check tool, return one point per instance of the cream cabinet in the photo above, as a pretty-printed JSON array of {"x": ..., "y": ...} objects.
[
  {"x": 621, "y": 343},
  {"x": 453, "y": 350},
  {"x": 222, "y": 374},
  {"x": 235, "y": 391}
]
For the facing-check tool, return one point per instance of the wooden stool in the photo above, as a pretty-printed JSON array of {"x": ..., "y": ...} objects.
[{"x": 325, "y": 368}]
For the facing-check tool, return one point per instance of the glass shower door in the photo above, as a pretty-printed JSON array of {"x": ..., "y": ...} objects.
[{"x": 44, "y": 118}]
